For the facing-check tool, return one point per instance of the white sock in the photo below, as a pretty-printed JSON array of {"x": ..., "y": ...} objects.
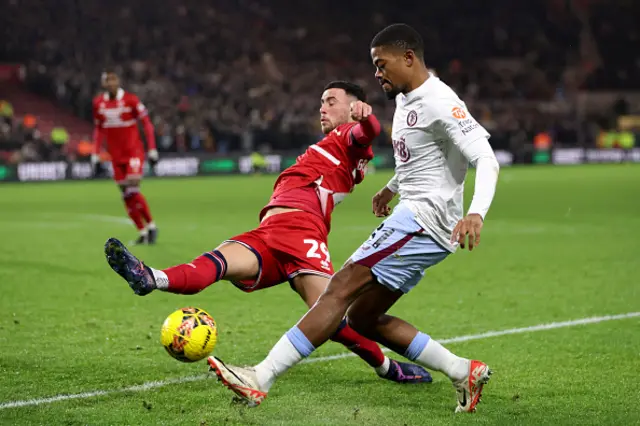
[
  {"x": 162, "y": 281},
  {"x": 384, "y": 368},
  {"x": 437, "y": 357},
  {"x": 144, "y": 232},
  {"x": 282, "y": 357},
  {"x": 151, "y": 225}
]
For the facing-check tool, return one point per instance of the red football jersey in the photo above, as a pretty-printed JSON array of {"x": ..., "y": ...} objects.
[
  {"x": 118, "y": 121},
  {"x": 332, "y": 167}
]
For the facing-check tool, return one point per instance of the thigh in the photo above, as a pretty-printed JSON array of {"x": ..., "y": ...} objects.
[
  {"x": 309, "y": 287},
  {"x": 120, "y": 173},
  {"x": 268, "y": 270},
  {"x": 134, "y": 168}
]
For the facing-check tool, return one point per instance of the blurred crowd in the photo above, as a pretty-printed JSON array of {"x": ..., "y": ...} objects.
[
  {"x": 244, "y": 75},
  {"x": 21, "y": 140}
]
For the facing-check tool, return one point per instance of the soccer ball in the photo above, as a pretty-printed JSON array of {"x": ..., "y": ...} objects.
[{"x": 189, "y": 334}]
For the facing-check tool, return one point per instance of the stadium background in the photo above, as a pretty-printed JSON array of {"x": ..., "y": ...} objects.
[
  {"x": 553, "y": 81},
  {"x": 550, "y": 299}
]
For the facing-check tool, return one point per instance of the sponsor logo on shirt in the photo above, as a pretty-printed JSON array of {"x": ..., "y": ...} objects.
[
  {"x": 468, "y": 125},
  {"x": 458, "y": 113},
  {"x": 385, "y": 235},
  {"x": 401, "y": 150}
]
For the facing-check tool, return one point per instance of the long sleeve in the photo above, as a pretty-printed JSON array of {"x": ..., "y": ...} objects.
[
  {"x": 365, "y": 131},
  {"x": 98, "y": 134},
  {"x": 473, "y": 141},
  {"x": 149, "y": 133},
  {"x": 393, "y": 184}
]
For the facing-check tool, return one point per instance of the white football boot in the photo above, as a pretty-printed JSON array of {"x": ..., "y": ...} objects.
[
  {"x": 241, "y": 380},
  {"x": 469, "y": 389}
]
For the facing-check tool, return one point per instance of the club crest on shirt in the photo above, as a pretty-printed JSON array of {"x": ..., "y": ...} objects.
[{"x": 412, "y": 118}]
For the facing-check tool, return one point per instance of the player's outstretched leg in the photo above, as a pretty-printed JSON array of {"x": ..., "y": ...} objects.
[
  {"x": 310, "y": 287},
  {"x": 129, "y": 267},
  {"x": 352, "y": 284},
  {"x": 186, "y": 278},
  {"x": 316, "y": 327}
]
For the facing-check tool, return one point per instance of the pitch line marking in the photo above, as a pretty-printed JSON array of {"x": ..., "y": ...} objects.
[{"x": 161, "y": 383}]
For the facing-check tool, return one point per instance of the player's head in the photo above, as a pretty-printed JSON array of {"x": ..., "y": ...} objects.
[
  {"x": 335, "y": 103},
  {"x": 110, "y": 81},
  {"x": 398, "y": 54}
]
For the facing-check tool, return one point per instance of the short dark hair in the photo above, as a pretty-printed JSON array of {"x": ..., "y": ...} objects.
[
  {"x": 105, "y": 72},
  {"x": 351, "y": 89},
  {"x": 401, "y": 36}
]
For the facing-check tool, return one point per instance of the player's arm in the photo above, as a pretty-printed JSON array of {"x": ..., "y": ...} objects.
[
  {"x": 473, "y": 141},
  {"x": 368, "y": 127},
  {"x": 393, "y": 185},
  {"x": 481, "y": 155},
  {"x": 98, "y": 138},
  {"x": 380, "y": 201},
  {"x": 147, "y": 128}
]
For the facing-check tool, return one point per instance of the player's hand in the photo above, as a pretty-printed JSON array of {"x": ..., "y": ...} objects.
[
  {"x": 380, "y": 202},
  {"x": 96, "y": 165},
  {"x": 360, "y": 110},
  {"x": 153, "y": 157},
  {"x": 470, "y": 225}
]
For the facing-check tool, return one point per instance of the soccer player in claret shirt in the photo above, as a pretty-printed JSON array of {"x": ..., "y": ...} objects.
[
  {"x": 290, "y": 244},
  {"x": 116, "y": 114}
]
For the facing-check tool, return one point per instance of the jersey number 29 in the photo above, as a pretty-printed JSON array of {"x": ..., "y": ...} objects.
[{"x": 313, "y": 253}]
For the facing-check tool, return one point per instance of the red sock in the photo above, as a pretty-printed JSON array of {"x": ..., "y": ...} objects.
[
  {"x": 192, "y": 278},
  {"x": 142, "y": 206},
  {"x": 132, "y": 210},
  {"x": 366, "y": 349}
]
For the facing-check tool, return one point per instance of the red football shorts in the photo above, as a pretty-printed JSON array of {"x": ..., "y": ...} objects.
[
  {"x": 131, "y": 169},
  {"x": 287, "y": 245}
]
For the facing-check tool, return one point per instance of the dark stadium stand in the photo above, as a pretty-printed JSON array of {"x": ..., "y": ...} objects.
[{"x": 238, "y": 75}]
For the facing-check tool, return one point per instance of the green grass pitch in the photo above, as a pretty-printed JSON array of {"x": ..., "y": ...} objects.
[{"x": 560, "y": 243}]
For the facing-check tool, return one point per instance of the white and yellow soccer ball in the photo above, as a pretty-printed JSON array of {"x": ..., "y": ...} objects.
[{"x": 189, "y": 334}]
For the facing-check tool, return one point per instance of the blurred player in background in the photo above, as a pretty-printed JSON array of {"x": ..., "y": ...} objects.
[
  {"x": 434, "y": 139},
  {"x": 116, "y": 114},
  {"x": 290, "y": 243}
]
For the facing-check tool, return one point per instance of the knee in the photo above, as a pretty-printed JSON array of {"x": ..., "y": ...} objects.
[
  {"x": 361, "y": 324},
  {"x": 129, "y": 190}
]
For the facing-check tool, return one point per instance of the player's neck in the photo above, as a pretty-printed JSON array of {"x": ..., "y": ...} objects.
[
  {"x": 113, "y": 95},
  {"x": 418, "y": 80}
]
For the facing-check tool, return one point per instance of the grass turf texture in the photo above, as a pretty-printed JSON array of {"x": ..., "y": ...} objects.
[{"x": 559, "y": 244}]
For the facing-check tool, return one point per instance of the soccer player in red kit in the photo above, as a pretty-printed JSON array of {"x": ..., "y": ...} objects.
[
  {"x": 116, "y": 114},
  {"x": 290, "y": 244}
]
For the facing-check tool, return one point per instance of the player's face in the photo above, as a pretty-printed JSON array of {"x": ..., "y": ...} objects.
[
  {"x": 112, "y": 83},
  {"x": 392, "y": 68},
  {"x": 334, "y": 109}
]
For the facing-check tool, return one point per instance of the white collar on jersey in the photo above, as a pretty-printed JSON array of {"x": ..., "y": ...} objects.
[
  {"x": 119, "y": 95},
  {"x": 420, "y": 89}
]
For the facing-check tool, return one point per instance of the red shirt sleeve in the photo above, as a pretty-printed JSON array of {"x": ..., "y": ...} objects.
[
  {"x": 140, "y": 112},
  {"x": 365, "y": 131},
  {"x": 98, "y": 134}
]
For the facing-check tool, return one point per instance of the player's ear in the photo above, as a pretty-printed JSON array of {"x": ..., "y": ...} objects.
[{"x": 409, "y": 57}]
